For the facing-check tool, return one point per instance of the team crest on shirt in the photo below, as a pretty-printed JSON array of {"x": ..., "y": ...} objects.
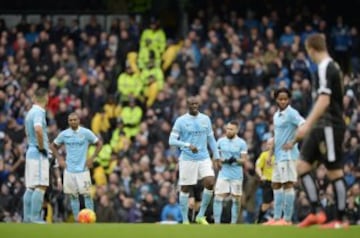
[
  {"x": 203, "y": 123},
  {"x": 322, "y": 147}
]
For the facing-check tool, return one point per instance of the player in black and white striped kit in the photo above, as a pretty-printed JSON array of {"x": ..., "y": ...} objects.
[{"x": 323, "y": 135}]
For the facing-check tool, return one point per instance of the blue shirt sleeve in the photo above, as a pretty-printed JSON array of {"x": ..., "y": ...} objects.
[
  {"x": 296, "y": 118},
  {"x": 38, "y": 118},
  {"x": 212, "y": 142},
  {"x": 90, "y": 136},
  {"x": 175, "y": 135},
  {"x": 59, "y": 139},
  {"x": 244, "y": 147}
]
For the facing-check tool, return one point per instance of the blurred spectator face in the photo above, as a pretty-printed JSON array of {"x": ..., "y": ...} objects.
[
  {"x": 355, "y": 190},
  {"x": 353, "y": 31},
  {"x": 104, "y": 200},
  {"x": 35, "y": 53},
  {"x": 354, "y": 142},
  {"x": 288, "y": 30},
  {"x": 270, "y": 143},
  {"x": 154, "y": 24},
  {"x": 4, "y": 189},
  {"x": 320, "y": 172},
  {"x": 172, "y": 198},
  {"x": 128, "y": 202},
  {"x": 123, "y": 25},
  {"x": 250, "y": 126},
  {"x": 358, "y": 128},
  {"x": 149, "y": 198}
]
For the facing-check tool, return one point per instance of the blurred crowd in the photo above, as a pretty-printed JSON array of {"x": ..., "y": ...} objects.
[{"x": 130, "y": 83}]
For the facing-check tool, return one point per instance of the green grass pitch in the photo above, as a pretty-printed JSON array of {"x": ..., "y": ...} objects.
[{"x": 8, "y": 230}]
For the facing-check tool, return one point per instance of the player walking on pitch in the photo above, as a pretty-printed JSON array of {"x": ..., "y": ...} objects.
[
  {"x": 192, "y": 132},
  {"x": 323, "y": 134}
]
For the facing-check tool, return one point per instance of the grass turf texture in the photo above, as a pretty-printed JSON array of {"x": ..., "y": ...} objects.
[{"x": 173, "y": 231}]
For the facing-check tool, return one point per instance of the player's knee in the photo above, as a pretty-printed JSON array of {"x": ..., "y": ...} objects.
[
  {"x": 303, "y": 167},
  {"x": 236, "y": 197},
  {"x": 276, "y": 185},
  {"x": 185, "y": 189},
  {"x": 219, "y": 197},
  {"x": 288, "y": 185},
  {"x": 335, "y": 174},
  {"x": 209, "y": 184},
  {"x": 41, "y": 188}
]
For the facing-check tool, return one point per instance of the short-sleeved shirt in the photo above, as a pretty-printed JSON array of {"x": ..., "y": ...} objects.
[{"x": 76, "y": 147}]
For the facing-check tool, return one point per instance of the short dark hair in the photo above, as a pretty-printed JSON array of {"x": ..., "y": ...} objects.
[
  {"x": 282, "y": 90},
  {"x": 73, "y": 114},
  {"x": 317, "y": 42},
  {"x": 40, "y": 92},
  {"x": 235, "y": 123}
]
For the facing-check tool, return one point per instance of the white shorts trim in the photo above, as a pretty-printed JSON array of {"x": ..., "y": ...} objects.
[
  {"x": 191, "y": 171},
  {"x": 37, "y": 172},
  {"x": 77, "y": 183},
  {"x": 284, "y": 171},
  {"x": 226, "y": 186}
]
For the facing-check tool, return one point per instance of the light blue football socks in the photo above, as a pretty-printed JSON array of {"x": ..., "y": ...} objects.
[
  {"x": 37, "y": 200},
  {"x": 217, "y": 209},
  {"x": 289, "y": 197},
  {"x": 235, "y": 209},
  {"x": 278, "y": 203},
  {"x": 184, "y": 205},
  {"x": 206, "y": 198},
  {"x": 27, "y": 205}
]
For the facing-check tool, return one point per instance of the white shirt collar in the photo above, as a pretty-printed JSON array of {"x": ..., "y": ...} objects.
[
  {"x": 283, "y": 111},
  {"x": 77, "y": 130}
]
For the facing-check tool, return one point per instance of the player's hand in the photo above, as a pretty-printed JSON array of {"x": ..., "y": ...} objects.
[
  {"x": 43, "y": 151},
  {"x": 59, "y": 184},
  {"x": 193, "y": 149},
  {"x": 218, "y": 164},
  {"x": 231, "y": 160},
  {"x": 288, "y": 146},
  {"x": 62, "y": 163},
  {"x": 89, "y": 163},
  {"x": 302, "y": 131}
]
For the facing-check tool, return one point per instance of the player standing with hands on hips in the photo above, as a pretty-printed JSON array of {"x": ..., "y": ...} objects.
[
  {"x": 286, "y": 121},
  {"x": 233, "y": 151},
  {"x": 192, "y": 132},
  {"x": 76, "y": 174}
]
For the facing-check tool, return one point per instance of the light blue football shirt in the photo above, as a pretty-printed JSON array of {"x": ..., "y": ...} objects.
[
  {"x": 76, "y": 147},
  {"x": 228, "y": 148},
  {"x": 285, "y": 124},
  {"x": 35, "y": 116},
  {"x": 194, "y": 130}
]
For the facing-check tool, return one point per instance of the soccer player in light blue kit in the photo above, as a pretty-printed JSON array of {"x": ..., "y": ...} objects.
[
  {"x": 37, "y": 163},
  {"x": 233, "y": 152},
  {"x": 192, "y": 132},
  {"x": 286, "y": 121},
  {"x": 76, "y": 174}
]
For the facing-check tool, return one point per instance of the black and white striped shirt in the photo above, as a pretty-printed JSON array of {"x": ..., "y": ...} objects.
[{"x": 330, "y": 82}]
